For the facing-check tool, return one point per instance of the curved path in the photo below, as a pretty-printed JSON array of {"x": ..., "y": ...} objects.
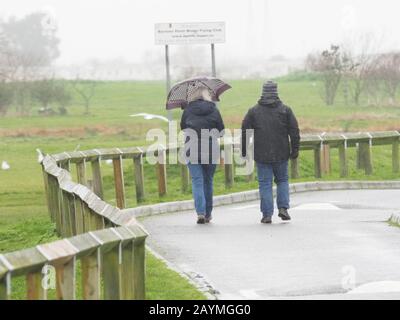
[{"x": 338, "y": 245}]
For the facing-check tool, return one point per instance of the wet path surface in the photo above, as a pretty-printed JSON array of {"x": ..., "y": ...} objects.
[{"x": 336, "y": 241}]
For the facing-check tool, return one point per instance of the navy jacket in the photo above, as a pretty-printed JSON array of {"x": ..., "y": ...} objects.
[
  {"x": 200, "y": 115},
  {"x": 273, "y": 125}
]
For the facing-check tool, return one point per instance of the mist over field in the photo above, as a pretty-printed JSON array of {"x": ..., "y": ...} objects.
[{"x": 264, "y": 38}]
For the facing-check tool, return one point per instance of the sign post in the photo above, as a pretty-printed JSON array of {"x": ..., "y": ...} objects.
[
  {"x": 168, "y": 76},
  {"x": 213, "y": 68},
  {"x": 185, "y": 34}
]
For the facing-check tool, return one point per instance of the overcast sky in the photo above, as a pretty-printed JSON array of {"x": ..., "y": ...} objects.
[{"x": 107, "y": 29}]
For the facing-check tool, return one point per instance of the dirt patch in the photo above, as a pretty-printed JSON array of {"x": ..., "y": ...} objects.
[
  {"x": 338, "y": 124},
  {"x": 71, "y": 131},
  {"x": 365, "y": 116},
  {"x": 351, "y": 123}
]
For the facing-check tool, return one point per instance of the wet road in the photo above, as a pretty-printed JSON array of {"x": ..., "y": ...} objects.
[{"x": 338, "y": 245}]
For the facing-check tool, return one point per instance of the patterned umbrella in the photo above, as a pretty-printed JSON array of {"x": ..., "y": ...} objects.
[{"x": 178, "y": 96}]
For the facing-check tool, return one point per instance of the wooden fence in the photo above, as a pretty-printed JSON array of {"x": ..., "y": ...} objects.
[
  {"x": 112, "y": 257},
  {"x": 109, "y": 242},
  {"x": 321, "y": 145}
]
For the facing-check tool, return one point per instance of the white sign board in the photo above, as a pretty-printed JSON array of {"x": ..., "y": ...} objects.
[{"x": 189, "y": 33}]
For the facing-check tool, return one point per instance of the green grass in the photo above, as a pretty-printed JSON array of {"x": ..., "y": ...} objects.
[
  {"x": 114, "y": 101},
  {"x": 23, "y": 215}
]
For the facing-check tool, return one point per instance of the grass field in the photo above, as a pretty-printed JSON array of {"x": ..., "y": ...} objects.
[
  {"x": 114, "y": 101},
  {"x": 23, "y": 217}
]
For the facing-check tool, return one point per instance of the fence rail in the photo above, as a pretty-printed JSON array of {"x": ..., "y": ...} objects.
[
  {"x": 113, "y": 257},
  {"x": 321, "y": 145},
  {"x": 109, "y": 242},
  {"x": 110, "y": 245}
]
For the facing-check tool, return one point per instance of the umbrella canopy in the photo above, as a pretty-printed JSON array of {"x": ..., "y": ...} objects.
[{"x": 178, "y": 96}]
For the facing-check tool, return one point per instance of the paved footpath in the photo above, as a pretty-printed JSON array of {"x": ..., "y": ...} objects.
[{"x": 337, "y": 246}]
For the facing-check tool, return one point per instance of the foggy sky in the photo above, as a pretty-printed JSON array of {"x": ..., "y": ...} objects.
[{"x": 108, "y": 29}]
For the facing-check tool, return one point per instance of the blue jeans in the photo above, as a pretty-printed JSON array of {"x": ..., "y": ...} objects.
[
  {"x": 202, "y": 187},
  {"x": 265, "y": 173}
]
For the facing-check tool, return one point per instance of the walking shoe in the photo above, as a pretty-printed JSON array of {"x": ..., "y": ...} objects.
[
  {"x": 208, "y": 219},
  {"x": 201, "y": 219},
  {"x": 266, "y": 220},
  {"x": 284, "y": 214}
]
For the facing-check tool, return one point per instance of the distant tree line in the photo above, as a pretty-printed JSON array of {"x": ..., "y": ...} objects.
[
  {"x": 28, "y": 47},
  {"x": 374, "y": 76}
]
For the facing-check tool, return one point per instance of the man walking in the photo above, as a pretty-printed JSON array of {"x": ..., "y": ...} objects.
[{"x": 273, "y": 124}]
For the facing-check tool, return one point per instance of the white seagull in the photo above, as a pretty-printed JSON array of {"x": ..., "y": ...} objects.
[
  {"x": 148, "y": 116},
  {"x": 5, "y": 166},
  {"x": 40, "y": 155}
]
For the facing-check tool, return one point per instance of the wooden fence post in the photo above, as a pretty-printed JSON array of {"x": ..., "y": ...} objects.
[
  {"x": 97, "y": 178},
  {"x": 98, "y": 221},
  {"x": 79, "y": 216},
  {"x": 35, "y": 290},
  {"x": 81, "y": 172},
  {"x": 343, "y": 159},
  {"x": 139, "y": 255},
  {"x": 185, "y": 177},
  {"x": 317, "y": 161},
  {"x": 185, "y": 174},
  {"x": 110, "y": 248},
  {"x": 92, "y": 220},
  {"x": 4, "y": 288},
  {"x": 64, "y": 212},
  {"x": 395, "y": 155},
  {"x": 5, "y": 279},
  {"x": 111, "y": 274},
  {"x": 50, "y": 191},
  {"x": 139, "y": 177},
  {"x": 294, "y": 168},
  {"x": 325, "y": 159},
  {"x": 126, "y": 262},
  {"x": 228, "y": 164},
  {"x": 365, "y": 157},
  {"x": 65, "y": 280},
  {"x": 47, "y": 193},
  {"x": 56, "y": 203},
  {"x": 88, "y": 225},
  {"x": 68, "y": 206},
  {"x": 127, "y": 290},
  {"x": 89, "y": 255},
  {"x": 359, "y": 162},
  {"x": 90, "y": 266},
  {"x": 65, "y": 165},
  {"x": 161, "y": 172},
  {"x": 119, "y": 182}
]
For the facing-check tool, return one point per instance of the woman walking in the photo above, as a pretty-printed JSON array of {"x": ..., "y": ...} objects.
[{"x": 202, "y": 124}]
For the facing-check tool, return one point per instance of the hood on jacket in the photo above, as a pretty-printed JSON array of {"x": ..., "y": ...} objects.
[
  {"x": 201, "y": 107},
  {"x": 272, "y": 103}
]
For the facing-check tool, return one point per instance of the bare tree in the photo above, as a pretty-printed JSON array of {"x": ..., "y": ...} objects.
[
  {"x": 389, "y": 72},
  {"x": 330, "y": 64},
  {"x": 62, "y": 96},
  {"x": 361, "y": 52},
  {"x": 6, "y": 97},
  {"x": 86, "y": 90},
  {"x": 49, "y": 91},
  {"x": 43, "y": 92},
  {"x": 25, "y": 56}
]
